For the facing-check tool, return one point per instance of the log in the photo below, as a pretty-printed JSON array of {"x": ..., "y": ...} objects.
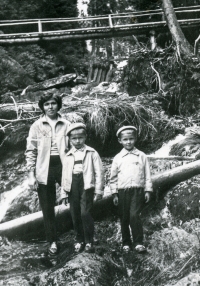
[
  {"x": 8, "y": 111},
  {"x": 31, "y": 226},
  {"x": 171, "y": 157}
]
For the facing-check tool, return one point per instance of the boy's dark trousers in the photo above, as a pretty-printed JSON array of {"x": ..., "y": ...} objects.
[
  {"x": 81, "y": 203},
  {"x": 47, "y": 197},
  {"x": 131, "y": 201}
]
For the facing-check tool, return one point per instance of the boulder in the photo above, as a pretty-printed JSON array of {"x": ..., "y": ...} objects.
[
  {"x": 84, "y": 269},
  {"x": 172, "y": 244},
  {"x": 193, "y": 279},
  {"x": 50, "y": 83},
  {"x": 183, "y": 200}
]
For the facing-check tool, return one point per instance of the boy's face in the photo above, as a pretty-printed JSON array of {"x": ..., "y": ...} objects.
[
  {"x": 77, "y": 138},
  {"x": 127, "y": 139}
]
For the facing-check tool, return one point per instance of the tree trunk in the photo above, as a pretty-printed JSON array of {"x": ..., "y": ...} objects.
[
  {"x": 31, "y": 226},
  {"x": 175, "y": 29}
]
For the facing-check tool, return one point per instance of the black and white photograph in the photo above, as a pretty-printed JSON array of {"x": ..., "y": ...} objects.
[{"x": 99, "y": 142}]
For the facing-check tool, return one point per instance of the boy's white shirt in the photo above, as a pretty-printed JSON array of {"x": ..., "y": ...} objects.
[{"x": 130, "y": 169}]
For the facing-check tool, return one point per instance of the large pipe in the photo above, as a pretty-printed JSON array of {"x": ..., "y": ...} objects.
[{"x": 31, "y": 226}]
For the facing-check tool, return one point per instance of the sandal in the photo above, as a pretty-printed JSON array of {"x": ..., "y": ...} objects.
[
  {"x": 126, "y": 248},
  {"x": 140, "y": 248},
  {"x": 53, "y": 249},
  {"x": 79, "y": 246}
]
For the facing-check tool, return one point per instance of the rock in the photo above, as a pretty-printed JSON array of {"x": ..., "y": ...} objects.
[
  {"x": 84, "y": 269},
  {"x": 172, "y": 243},
  {"x": 183, "y": 200},
  {"x": 193, "y": 279},
  {"x": 81, "y": 79},
  {"x": 34, "y": 96},
  {"x": 25, "y": 203},
  {"x": 65, "y": 91},
  {"x": 192, "y": 226},
  {"x": 6, "y": 98},
  {"x": 50, "y": 83},
  {"x": 9, "y": 69},
  {"x": 105, "y": 88}
]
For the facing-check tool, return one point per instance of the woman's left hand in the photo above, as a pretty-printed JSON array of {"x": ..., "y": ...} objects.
[
  {"x": 147, "y": 196},
  {"x": 98, "y": 197}
]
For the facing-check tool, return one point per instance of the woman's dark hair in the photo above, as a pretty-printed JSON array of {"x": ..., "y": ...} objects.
[{"x": 47, "y": 97}]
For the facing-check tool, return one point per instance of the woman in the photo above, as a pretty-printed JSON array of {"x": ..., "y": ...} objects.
[{"x": 46, "y": 145}]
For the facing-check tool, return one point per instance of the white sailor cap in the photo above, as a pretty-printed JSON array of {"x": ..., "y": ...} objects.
[
  {"x": 125, "y": 128},
  {"x": 75, "y": 126}
]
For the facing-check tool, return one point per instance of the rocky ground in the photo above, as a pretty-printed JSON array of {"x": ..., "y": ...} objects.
[{"x": 171, "y": 229}]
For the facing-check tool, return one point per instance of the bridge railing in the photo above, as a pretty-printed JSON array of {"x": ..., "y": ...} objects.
[{"x": 43, "y": 26}]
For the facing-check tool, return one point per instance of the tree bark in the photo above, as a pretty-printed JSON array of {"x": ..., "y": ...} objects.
[
  {"x": 175, "y": 29},
  {"x": 31, "y": 226}
]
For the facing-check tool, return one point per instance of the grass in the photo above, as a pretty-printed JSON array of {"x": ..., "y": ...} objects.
[{"x": 107, "y": 116}]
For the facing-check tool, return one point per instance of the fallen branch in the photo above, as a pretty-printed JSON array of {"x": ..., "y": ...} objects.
[
  {"x": 179, "y": 158},
  {"x": 158, "y": 76},
  {"x": 18, "y": 120},
  {"x": 195, "y": 45}
]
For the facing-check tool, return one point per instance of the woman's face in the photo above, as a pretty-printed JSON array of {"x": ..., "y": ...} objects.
[{"x": 50, "y": 108}]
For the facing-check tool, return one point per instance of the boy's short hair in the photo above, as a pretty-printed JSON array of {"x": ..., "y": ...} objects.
[
  {"x": 75, "y": 126},
  {"x": 46, "y": 97},
  {"x": 123, "y": 128}
]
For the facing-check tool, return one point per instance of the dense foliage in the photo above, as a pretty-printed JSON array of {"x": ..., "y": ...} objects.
[
  {"x": 164, "y": 72},
  {"x": 46, "y": 60}
]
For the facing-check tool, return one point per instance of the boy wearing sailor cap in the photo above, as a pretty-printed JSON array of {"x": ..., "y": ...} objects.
[
  {"x": 82, "y": 178},
  {"x": 131, "y": 186}
]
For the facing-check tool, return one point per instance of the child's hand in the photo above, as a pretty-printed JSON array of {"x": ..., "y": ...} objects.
[
  {"x": 65, "y": 201},
  {"x": 115, "y": 199},
  {"x": 147, "y": 196},
  {"x": 98, "y": 197}
]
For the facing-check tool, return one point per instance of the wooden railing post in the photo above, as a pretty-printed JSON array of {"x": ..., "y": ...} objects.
[
  {"x": 39, "y": 26},
  {"x": 153, "y": 40},
  {"x": 110, "y": 21}
]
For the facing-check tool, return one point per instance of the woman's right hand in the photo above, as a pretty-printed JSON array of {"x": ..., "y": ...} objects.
[{"x": 32, "y": 182}]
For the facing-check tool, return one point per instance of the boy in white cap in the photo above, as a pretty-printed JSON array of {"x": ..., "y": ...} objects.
[
  {"x": 131, "y": 186},
  {"x": 82, "y": 178}
]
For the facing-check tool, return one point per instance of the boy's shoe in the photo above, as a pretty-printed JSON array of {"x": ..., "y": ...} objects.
[
  {"x": 89, "y": 248},
  {"x": 140, "y": 248},
  {"x": 126, "y": 248},
  {"x": 79, "y": 246},
  {"x": 53, "y": 249}
]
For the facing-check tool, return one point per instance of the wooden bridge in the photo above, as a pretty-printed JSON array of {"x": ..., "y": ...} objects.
[{"x": 104, "y": 26}]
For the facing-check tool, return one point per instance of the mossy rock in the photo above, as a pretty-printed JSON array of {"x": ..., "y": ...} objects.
[{"x": 184, "y": 200}]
